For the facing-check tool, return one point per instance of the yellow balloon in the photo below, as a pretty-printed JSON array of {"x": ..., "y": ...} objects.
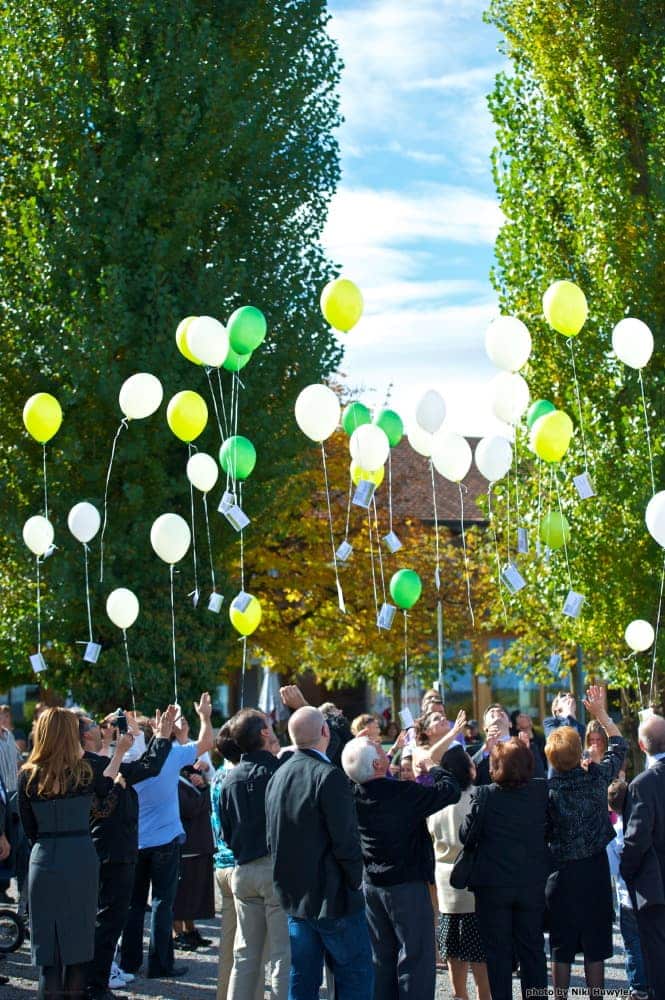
[
  {"x": 342, "y": 304},
  {"x": 550, "y": 436},
  {"x": 246, "y": 621},
  {"x": 370, "y": 477},
  {"x": 565, "y": 307},
  {"x": 181, "y": 340},
  {"x": 187, "y": 415},
  {"x": 42, "y": 416}
]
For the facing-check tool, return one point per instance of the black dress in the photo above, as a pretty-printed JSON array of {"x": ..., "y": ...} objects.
[
  {"x": 195, "y": 898},
  {"x": 63, "y": 873}
]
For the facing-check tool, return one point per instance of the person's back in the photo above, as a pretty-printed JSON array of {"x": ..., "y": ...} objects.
[
  {"x": 513, "y": 850},
  {"x": 159, "y": 813}
]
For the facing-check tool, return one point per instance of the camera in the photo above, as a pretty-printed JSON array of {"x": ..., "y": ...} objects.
[{"x": 121, "y": 721}]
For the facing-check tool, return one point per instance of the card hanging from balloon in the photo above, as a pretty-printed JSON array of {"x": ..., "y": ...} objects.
[
  {"x": 392, "y": 542},
  {"x": 228, "y": 500},
  {"x": 195, "y": 596},
  {"x": 386, "y": 616},
  {"x": 236, "y": 517},
  {"x": 573, "y": 604},
  {"x": 584, "y": 486},
  {"x": 364, "y": 493},
  {"x": 522, "y": 541},
  {"x": 91, "y": 652},
  {"x": 38, "y": 663},
  {"x": 406, "y": 718},
  {"x": 340, "y": 598},
  {"x": 344, "y": 551},
  {"x": 512, "y": 578},
  {"x": 215, "y": 602},
  {"x": 49, "y": 552},
  {"x": 242, "y": 601},
  {"x": 554, "y": 661}
]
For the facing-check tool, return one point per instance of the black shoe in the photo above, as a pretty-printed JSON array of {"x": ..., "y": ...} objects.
[
  {"x": 4, "y": 980},
  {"x": 185, "y": 942},
  {"x": 201, "y": 941},
  {"x": 175, "y": 973}
]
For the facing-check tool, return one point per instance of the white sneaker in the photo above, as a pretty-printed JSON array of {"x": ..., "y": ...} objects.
[
  {"x": 116, "y": 979},
  {"x": 129, "y": 977}
]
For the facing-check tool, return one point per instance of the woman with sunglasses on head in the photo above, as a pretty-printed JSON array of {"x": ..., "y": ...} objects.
[{"x": 55, "y": 791}]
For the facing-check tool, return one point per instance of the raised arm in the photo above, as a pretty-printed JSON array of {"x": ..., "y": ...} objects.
[{"x": 206, "y": 735}]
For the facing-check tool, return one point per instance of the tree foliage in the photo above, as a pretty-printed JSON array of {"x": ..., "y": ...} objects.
[{"x": 159, "y": 160}]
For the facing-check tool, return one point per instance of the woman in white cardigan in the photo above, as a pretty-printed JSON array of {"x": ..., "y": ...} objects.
[{"x": 460, "y": 943}]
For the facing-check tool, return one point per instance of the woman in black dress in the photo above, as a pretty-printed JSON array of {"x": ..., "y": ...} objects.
[
  {"x": 579, "y": 890},
  {"x": 55, "y": 791},
  {"x": 195, "y": 899}
]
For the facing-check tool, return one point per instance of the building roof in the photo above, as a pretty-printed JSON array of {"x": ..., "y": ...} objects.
[{"x": 412, "y": 489}]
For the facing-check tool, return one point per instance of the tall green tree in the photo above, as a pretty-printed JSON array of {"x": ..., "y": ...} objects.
[
  {"x": 158, "y": 160},
  {"x": 578, "y": 167}
]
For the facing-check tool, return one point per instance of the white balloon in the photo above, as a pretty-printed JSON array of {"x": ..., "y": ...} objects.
[
  {"x": 431, "y": 411},
  {"x": 510, "y": 396},
  {"x": 317, "y": 412},
  {"x": 140, "y": 395},
  {"x": 494, "y": 457},
  {"x": 122, "y": 607},
  {"x": 208, "y": 340},
  {"x": 655, "y": 517},
  {"x": 170, "y": 537},
  {"x": 421, "y": 441},
  {"x": 639, "y": 635},
  {"x": 632, "y": 342},
  {"x": 369, "y": 447},
  {"x": 202, "y": 471},
  {"x": 451, "y": 456},
  {"x": 508, "y": 343},
  {"x": 83, "y": 521},
  {"x": 38, "y": 534}
]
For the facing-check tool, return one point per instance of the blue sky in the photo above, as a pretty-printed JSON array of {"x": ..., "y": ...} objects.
[{"x": 415, "y": 217}]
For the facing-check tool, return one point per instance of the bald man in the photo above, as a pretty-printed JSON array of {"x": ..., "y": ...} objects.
[
  {"x": 317, "y": 865},
  {"x": 643, "y": 858}
]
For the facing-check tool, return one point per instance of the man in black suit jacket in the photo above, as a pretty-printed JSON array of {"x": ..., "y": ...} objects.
[
  {"x": 496, "y": 724},
  {"x": 643, "y": 858},
  {"x": 317, "y": 865}
]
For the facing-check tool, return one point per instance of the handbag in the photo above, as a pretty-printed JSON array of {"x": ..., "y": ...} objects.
[{"x": 460, "y": 874}]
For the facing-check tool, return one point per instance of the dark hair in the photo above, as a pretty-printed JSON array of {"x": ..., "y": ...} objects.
[
  {"x": 421, "y": 725},
  {"x": 511, "y": 764},
  {"x": 459, "y": 764},
  {"x": 495, "y": 704},
  {"x": 226, "y": 747},
  {"x": 616, "y": 794},
  {"x": 245, "y": 729}
]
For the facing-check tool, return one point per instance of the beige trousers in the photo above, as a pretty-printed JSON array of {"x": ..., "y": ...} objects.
[{"x": 261, "y": 924}]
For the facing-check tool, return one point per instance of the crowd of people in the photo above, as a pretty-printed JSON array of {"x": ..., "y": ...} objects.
[{"x": 365, "y": 857}]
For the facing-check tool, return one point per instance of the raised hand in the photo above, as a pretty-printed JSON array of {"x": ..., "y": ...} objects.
[
  {"x": 292, "y": 696},
  {"x": 204, "y": 707},
  {"x": 595, "y": 701}
]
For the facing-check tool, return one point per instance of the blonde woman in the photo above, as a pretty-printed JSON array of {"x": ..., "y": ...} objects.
[{"x": 55, "y": 791}]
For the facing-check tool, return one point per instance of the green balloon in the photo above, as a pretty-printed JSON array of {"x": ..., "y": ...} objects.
[
  {"x": 355, "y": 414},
  {"x": 554, "y": 530},
  {"x": 391, "y": 424},
  {"x": 235, "y": 362},
  {"x": 237, "y": 457},
  {"x": 247, "y": 329},
  {"x": 405, "y": 588},
  {"x": 538, "y": 410}
]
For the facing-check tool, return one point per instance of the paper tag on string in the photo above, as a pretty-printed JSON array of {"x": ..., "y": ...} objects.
[
  {"x": 49, "y": 552},
  {"x": 236, "y": 517},
  {"x": 195, "y": 595},
  {"x": 364, "y": 493},
  {"x": 228, "y": 500},
  {"x": 554, "y": 661},
  {"x": 584, "y": 486},
  {"x": 522, "y": 540},
  {"x": 344, "y": 550},
  {"x": 340, "y": 598},
  {"x": 386, "y": 616},
  {"x": 38, "y": 663},
  {"x": 573, "y": 604},
  {"x": 92, "y": 651},
  {"x": 392, "y": 542},
  {"x": 437, "y": 578},
  {"x": 512, "y": 578},
  {"x": 406, "y": 718},
  {"x": 242, "y": 601},
  {"x": 215, "y": 602}
]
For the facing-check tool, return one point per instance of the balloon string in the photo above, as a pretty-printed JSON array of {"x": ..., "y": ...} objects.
[
  {"x": 212, "y": 565},
  {"x": 565, "y": 544},
  {"x": 237, "y": 383},
  {"x": 390, "y": 492},
  {"x": 496, "y": 553},
  {"x": 214, "y": 403},
  {"x": 348, "y": 508},
  {"x": 517, "y": 483},
  {"x": 406, "y": 659},
  {"x": 195, "y": 592},
  {"x": 437, "y": 577},
  {"x": 655, "y": 641},
  {"x": 466, "y": 561},
  {"x": 648, "y": 430},
  {"x": 242, "y": 547},
  {"x": 175, "y": 669},
  {"x": 371, "y": 559},
  {"x": 87, "y": 590},
  {"x": 221, "y": 399},
  {"x": 244, "y": 668},
  {"x": 123, "y": 423},
  {"x": 45, "y": 485},
  {"x": 540, "y": 474},
  {"x": 129, "y": 670},
  {"x": 639, "y": 683},
  {"x": 579, "y": 403},
  {"x": 39, "y": 610},
  {"x": 508, "y": 515},
  {"x": 330, "y": 519},
  {"x": 439, "y": 644},
  {"x": 378, "y": 548}
]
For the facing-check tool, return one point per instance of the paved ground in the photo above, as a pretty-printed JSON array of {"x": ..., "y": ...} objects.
[{"x": 200, "y": 980}]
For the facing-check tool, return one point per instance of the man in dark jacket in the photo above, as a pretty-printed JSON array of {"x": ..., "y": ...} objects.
[
  {"x": 317, "y": 865},
  {"x": 643, "y": 858},
  {"x": 399, "y": 866},
  {"x": 496, "y": 724},
  {"x": 114, "y": 831}
]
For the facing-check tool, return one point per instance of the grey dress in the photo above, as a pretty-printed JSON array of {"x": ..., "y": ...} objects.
[{"x": 63, "y": 873}]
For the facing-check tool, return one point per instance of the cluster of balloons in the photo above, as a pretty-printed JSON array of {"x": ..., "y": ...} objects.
[
  {"x": 203, "y": 340},
  {"x": 550, "y": 431}
]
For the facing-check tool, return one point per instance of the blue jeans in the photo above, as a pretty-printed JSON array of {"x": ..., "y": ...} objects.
[
  {"x": 635, "y": 973},
  {"x": 156, "y": 866},
  {"x": 345, "y": 945}
]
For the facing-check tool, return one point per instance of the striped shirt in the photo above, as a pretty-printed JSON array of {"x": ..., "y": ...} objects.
[{"x": 9, "y": 760}]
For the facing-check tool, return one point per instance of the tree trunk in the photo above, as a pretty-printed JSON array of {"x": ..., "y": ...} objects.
[{"x": 396, "y": 684}]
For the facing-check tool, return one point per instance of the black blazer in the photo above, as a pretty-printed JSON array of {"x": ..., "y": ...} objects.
[
  {"x": 507, "y": 827},
  {"x": 643, "y": 857},
  {"x": 313, "y": 839},
  {"x": 482, "y": 763}
]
